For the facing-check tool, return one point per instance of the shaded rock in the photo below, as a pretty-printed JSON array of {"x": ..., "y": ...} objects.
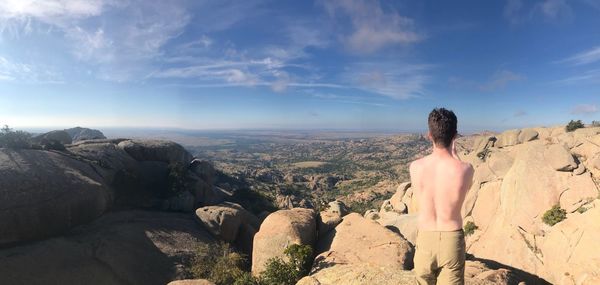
[
  {"x": 405, "y": 225},
  {"x": 224, "y": 220},
  {"x": 279, "y": 230},
  {"x": 203, "y": 170},
  {"x": 81, "y": 134},
  {"x": 182, "y": 202},
  {"x": 559, "y": 158},
  {"x": 372, "y": 214},
  {"x": 127, "y": 247},
  {"x": 579, "y": 170},
  {"x": 337, "y": 207},
  {"x": 46, "y": 193},
  {"x": 527, "y": 135},
  {"x": 108, "y": 156},
  {"x": 156, "y": 150},
  {"x": 55, "y": 136}
]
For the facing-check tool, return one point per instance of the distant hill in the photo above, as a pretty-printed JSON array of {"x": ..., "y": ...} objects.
[{"x": 80, "y": 134}]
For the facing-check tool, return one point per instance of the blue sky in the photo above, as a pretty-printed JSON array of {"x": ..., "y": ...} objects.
[{"x": 348, "y": 64}]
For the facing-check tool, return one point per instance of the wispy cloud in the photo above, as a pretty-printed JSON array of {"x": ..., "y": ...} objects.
[
  {"x": 520, "y": 113},
  {"x": 372, "y": 27},
  {"x": 554, "y": 9},
  {"x": 584, "y": 109},
  {"x": 498, "y": 80},
  {"x": 512, "y": 11},
  {"x": 590, "y": 76},
  {"x": 397, "y": 81},
  {"x": 519, "y": 11},
  {"x": 585, "y": 57},
  {"x": 27, "y": 73}
]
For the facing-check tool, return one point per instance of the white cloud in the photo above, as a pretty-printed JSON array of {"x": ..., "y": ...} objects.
[
  {"x": 402, "y": 81},
  {"x": 25, "y": 72},
  {"x": 584, "y": 109},
  {"x": 372, "y": 27},
  {"x": 590, "y": 76},
  {"x": 512, "y": 11},
  {"x": 553, "y": 9},
  {"x": 585, "y": 57},
  {"x": 119, "y": 38}
]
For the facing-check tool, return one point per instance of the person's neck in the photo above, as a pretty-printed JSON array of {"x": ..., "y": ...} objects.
[{"x": 441, "y": 151}]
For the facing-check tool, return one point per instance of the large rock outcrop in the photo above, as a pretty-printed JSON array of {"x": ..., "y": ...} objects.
[
  {"x": 45, "y": 193},
  {"x": 361, "y": 241},
  {"x": 515, "y": 185},
  {"x": 128, "y": 247},
  {"x": 231, "y": 223},
  {"x": 279, "y": 230},
  {"x": 156, "y": 150}
]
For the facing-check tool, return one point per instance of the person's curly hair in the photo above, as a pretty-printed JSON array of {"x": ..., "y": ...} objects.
[{"x": 442, "y": 126}]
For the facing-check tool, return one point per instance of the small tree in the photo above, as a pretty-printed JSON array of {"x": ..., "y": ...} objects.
[
  {"x": 573, "y": 125},
  {"x": 279, "y": 272},
  {"x": 14, "y": 139},
  {"x": 595, "y": 123},
  {"x": 555, "y": 215}
]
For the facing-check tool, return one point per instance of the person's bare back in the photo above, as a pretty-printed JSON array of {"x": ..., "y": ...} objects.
[{"x": 440, "y": 182}]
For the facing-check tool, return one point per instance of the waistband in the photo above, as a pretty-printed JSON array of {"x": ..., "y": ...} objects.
[{"x": 456, "y": 233}]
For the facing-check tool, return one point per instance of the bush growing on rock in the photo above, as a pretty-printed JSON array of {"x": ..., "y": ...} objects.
[
  {"x": 219, "y": 264},
  {"x": 470, "y": 228},
  {"x": 14, "y": 139},
  {"x": 176, "y": 178},
  {"x": 279, "y": 272},
  {"x": 554, "y": 215},
  {"x": 222, "y": 265},
  {"x": 573, "y": 125}
]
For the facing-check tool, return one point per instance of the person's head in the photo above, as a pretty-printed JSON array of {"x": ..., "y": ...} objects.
[{"x": 442, "y": 127}]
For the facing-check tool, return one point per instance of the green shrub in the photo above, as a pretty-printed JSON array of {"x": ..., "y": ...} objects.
[
  {"x": 573, "y": 125},
  {"x": 247, "y": 279},
  {"x": 176, "y": 178},
  {"x": 14, "y": 139},
  {"x": 554, "y": 215},
  {"x": 581, "y": 209},
  {"x": 220, "y": 264},
  {"x": 53, "y": 145},
  {"x": 279, "y": 272},
  {"x": 470, "y": 228}
]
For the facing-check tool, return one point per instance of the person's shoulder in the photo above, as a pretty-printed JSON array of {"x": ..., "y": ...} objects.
[
  {"x": 466, "y": 168},
  {"x": 417, "y": 164}
]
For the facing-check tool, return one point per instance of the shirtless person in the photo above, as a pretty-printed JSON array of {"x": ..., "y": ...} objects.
[{"x": 440, "y": 182}]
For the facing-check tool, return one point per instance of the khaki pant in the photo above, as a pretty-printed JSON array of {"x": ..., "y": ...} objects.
[{"x": 440, "y": 257}]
